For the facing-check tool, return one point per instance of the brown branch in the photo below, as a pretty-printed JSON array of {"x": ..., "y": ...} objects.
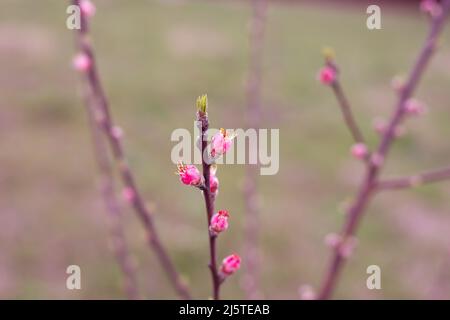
[
  {"x": 252, "y": 225},
  {"x": 417, "y": 180},
  {"x": 209, "y": 204},
  {"x": 105, "y": 123},
  {"x": 346, "y": 110},
  {"x": 369, "y": 182},
  {"x": 119, "y": 245}
]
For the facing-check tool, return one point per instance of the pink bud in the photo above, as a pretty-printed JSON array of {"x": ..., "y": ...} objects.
[
  {"x": 327, "y": 75},
  {"x": 347, "y": 247},
  {"x": 377, "y": 159},
  {"x": 87, "y": 8},
  {"x": 230, "y": 264},
  {"x": 415, "y": 107},
  {"x": 128, "y": 194},
  {"x": 359, "y": 150},
  {"x": 398, "y": 83},
  {"x": 82, "y": 62},
  {"x": 213, "y": 184},
  {"x": 332, "y": 240},
  {"x": 432, "y": 7},
  {"x": 380, "y": 125},
  {"x": 189, "y": 174},
  {"x": 306, "y": 292},
  {"x": 219, "y": 222},
  {"x": 117, "y": 132},
  {"x": 221, "y": 142}
]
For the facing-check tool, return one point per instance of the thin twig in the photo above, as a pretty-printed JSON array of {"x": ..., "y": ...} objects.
[
  {"x": 415, "y": 180},
  {"x": 369, "y": 182},
  {"x": 209, "y": 204},
  {"x": 113, "y": 208},
  {"x": 105, "y": 123},
  {"x": 347, "y": 112},
  {"x": 252, "y": 225}
]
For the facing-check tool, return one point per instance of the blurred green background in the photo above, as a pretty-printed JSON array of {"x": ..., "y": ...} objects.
[{"x": 155, "y": 58}]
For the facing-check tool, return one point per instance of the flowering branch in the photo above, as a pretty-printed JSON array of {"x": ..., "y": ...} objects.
[
  {"x": 208, "y": 183},
  {"x": 328, "y": 75},
  {"x": 251, "y": 226},
  {"x": 343, "y": 244},
  {"x": 85, "y": 62},
  {"x": 416, "y": 180}
]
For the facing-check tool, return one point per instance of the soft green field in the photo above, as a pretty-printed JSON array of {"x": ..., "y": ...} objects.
[{"x": 155, "y": 59}]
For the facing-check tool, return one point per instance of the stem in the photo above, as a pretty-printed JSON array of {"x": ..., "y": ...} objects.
[
  {"x": 120, "y": 248},
  {"x": 373, "y": 167},
  {"x": 209, "y": 204},
  {"x": 347, "y": 112},
  {"x": 251, "y": 226},
  {"x": 415, "y": 180},
  {"x": 105, "y": 123}
]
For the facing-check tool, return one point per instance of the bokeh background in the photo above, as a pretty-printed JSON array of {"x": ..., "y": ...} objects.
[{"x": 155, "y": 58}]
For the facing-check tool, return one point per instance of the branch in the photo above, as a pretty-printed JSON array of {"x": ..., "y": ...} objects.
[
  {"x": 415, "y": 180},
  {"x": 347, "y": 112},
  {"x": 105, "y": 123},
  {"x": 251, "y": 226},
  {"x": 341, "y": 248},
  {"x": 112, "y": 205},
  {"x": 209, "y": 204}
]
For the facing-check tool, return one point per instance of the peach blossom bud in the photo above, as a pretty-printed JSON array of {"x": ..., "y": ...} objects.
[
  {"x": 347, "y": 247},
  {"x": 81, "y": 62},
  {"x": 189, "y": 174},
  {"x": 415, "y": 107},
  {"x": 219, "y": 222},
  {"x": 306, "y": 292},
  {"x": 230, "y": 265},
  {"x": 377, "y": 160},
  {"x": 221, "y": 142},
  {"x": 359, "y": 151},
  {"x": 398, "y": 83},
  {"x": 128, "y": 194},
  {"x": 117, "y": 132},
  {"x": 214, "y": 184},
  {"x": 87, "y": 8},
  {"x": 327, "y": 75},
  {"x": 431, "y": 7},
  {"x": 332, "y": 240},
  {"x": 380, "y": 125}
]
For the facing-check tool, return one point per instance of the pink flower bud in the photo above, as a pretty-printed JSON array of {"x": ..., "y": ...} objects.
[
  {"x": 347, "y": 247},
  {"x": 128, "y": 194},
  {"x": 221, "y": 142},
  {"x": 189, "y": 174},
  {"x": 306, "y": 292},
  {"x": 398, "y": 83},
  {"x": 81, "y": 62},
  {"x": 213, "y": 184},
  {"x": 332, "y": 240},
  {"x": 415, "y": 107},
  {"x": 359, "y": 151},
  {"x": 230, "y": 264},
  {"x": 327, "y": 75},
  {"x": 431, "y": 7},
  {"x": 219, "y": 222},
  {"x": 117, "y": 132},
  {"x": 87, "y": 8},
  {"x": 377, "y": 159},
  {"x": 380, "y": 125}
]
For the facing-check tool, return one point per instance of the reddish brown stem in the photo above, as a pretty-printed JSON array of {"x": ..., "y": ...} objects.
[
  {"x": 373, "y": 167},
  {"x": 347, "y": 112},
  {"x": 251, "y": 226},
  {"x": 209, "y": 204},
  {"x": 112, "y": 206},
  {"x": 105, "y": 123},
  {"x": 415, "y": 180}
]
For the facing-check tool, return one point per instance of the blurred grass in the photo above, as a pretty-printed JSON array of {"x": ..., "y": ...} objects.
[{"x": 155, "y": 58}]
